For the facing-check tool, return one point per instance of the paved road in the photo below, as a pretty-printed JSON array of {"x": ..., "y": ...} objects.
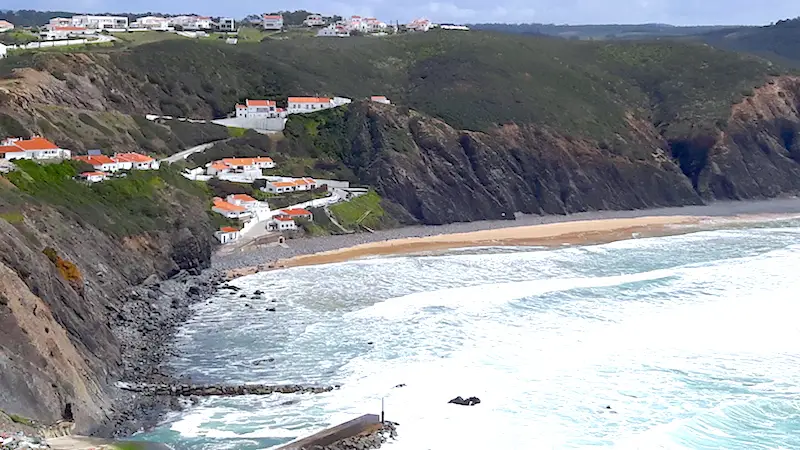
[{"x": 196, "y": 149}]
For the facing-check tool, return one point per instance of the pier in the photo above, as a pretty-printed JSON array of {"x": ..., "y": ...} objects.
[{"x": 365, "y": 432}]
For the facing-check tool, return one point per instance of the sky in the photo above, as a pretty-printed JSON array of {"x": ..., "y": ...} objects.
[{"x": 676, "y": 12}]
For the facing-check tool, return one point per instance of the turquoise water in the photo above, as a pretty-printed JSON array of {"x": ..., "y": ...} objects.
[{"x": 693, "y": 340}]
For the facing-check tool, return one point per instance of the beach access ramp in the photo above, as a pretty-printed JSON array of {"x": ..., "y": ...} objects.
[{"x": 328, "y": 436}]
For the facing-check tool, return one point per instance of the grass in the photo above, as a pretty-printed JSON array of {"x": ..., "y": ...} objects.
[
  {"x": 349, "y": 213},
  {"x": 236, "y": 132},
  {"x": 12, "y": 217},
  {"x": 136, "y": 38},
  {"x": 21, "y": 420}
]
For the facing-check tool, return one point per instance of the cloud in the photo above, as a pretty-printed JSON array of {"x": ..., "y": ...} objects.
[{"x": 679, "y": 12}]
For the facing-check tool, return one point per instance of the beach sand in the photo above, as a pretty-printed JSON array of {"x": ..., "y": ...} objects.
[{"x": 551, "y": 234}]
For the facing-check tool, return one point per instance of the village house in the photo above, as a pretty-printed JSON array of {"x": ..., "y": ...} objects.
[
  {"x": 6, "y": 26},
  {"x": 272, "y": 22},
  {"x": 152, "y": 23},
  {"x": 227, "y": 234},
  {"x": 101, "y": 163},
  {"x": 298, "y": 105},
  {"x": 226, "y": 24},
  {"x": 300, "y": 184},
  {"x": 35, "y": 148},
  {"x": 333, "y": 31},
  {"x": 64, "y": 32},
  {"x": 94, "y": 177},
  {"x": 419, "y": 25},
  {"x": 372, "y": 25},
  {"x": 247, "y": 202},
  {"x": 257, "y": 109},
  {"x": 3, "y": 51},
  {"x": 380, "y": 99},
  {"x": 192, "y": 22},
  {"x": 282, "y": 223},
  {"x": 240, "y": 165},
  {"x": 230, "y": 210},
  {"x": 101, "y": 22},
  {"x": 11, "y": 152},
  {"x": 297, "y": 213},
  {"x": 314, "y": 20},
  {"x": 135, "y": 161}
]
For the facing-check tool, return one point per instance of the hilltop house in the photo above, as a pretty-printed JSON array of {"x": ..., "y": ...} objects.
[
  {"x": 333, "y": 31},
  {"x": 300, "y": 184},
  {"x": 135, "y": 161},
  {"x": 6, "y": 26},
  {"x": 380, "y": 99},
  {"x": 249, "y": 203},
  {"x": 59, "y": 22},
  {"x": 272, "y": 22},
  {"x": 191, "y": 22},
  {"x": 226, "y": 24},
  {"x": 59, "y": 32},
  {"x": 101, "y": 22},
  {"x": 101, "y": 163},
  {"x": 282, "y": 223},
  {"x": 297, "y": 105},
  {"x": 34, "y": 148},
  {"x": 230, "y": 210},
  {"x": 257, "y": 109},
  {"x": 152, "y": 23},
  {"x": 94, "y": 177},
  {"x": 314, "y": 20},
  {"x": 419, "y": 25},
  {"x": 3, "y": 51},
  {"x": 227, "y": 234},
  {"x": 240, "y": 165}
]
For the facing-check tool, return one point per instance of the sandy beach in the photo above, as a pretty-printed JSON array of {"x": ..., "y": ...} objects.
[{"x": 577, "y": 229}]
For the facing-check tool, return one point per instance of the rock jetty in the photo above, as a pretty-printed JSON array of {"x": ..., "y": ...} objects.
[
  {"x": 365, "y": 441},
  {"x": 206, "y": 390}
]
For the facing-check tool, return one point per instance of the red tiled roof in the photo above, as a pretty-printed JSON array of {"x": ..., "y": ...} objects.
[
  {"x": 377, "y": 97},
  {"x": 37, "y": 143},
  {"x": 10, "y": 149},
  {"x": 284, "y": 218},
  {"x": 243, "y": 198},
  {"x": 268, "y": 16},
  {"x": 249, "y": 102},
  {"x": 132, "y": 157},
  {"x": 238, "y": 106},
  {"x": 95, "y": 160},
  {"x": 309, "y": 100},
  {"x": 93, "y": 174},
  {"x": 225, "y": 206},
  {"x": 296, "y": 212},
  {"x": 218, "y": 165},
  {"x": 228, "y": 229},
  {"x": 67, "y": 28}
]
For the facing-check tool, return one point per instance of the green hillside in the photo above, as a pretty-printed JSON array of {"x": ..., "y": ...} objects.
[{"x": 780, "y": 41}]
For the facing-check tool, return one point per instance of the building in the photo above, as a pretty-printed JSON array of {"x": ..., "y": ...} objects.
[
  {"x": 101, "y": 163},
  {"x": 135, "y": 161},
  {"x": 240, "y": 165},
  {"x": 282, "y": 223},
  {"x": 6, "y": 26},
  {"x": 283, "y": 186},
  {"x": 372, "y": 25},
  {"x": 314, "y": 20},
  {"x": 298, "y": 105},
  {"x": 232, "y": 41},
  {"x": 380, "y": 99},
  {"x": 94, "y": 177},
  {"x": 101, "y": 22},
  {"x": 37, "y": 148},
  {"x": 3, "y": 51},
  {"x": 226, "y": 24},
  {"x": 229, "y": 210},
  {"x": 249, "y": 203},
  {"x": 191, "y": 22},
  {"x": 454, "y": 27},
  {"x": 227, "y": 234},
  {"x": 153, "y": 23},
  {"x": 333, "y": 31},
  {"x": 257, "y": 109},
  {"x": 419, "y": 25},
  {"x": 58, "y": 32},
  {"x": 59, "y": 22},
  {"x": 11, "y": 152},
  {"x": 297, "y": 213},
  {"x": 272, "y": 22}
]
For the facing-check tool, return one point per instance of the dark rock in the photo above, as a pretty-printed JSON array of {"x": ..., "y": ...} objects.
[
  {"x": 471, "y": 401},
  {"x": 370, "y": 343},
  {"x": 258, "y": 292},
  {"x": 243, "y": 296},
  {"x": 400, "y": 385},
  {"x": 271, "y": 309},
  {"x": 193, "y": 290}
]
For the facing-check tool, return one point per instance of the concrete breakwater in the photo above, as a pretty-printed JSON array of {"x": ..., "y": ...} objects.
[
  {"x": 206, "y": 390},
  {"x": 362, "y": 433}
]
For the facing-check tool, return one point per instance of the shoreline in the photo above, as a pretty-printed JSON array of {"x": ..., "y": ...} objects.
[{"x": 582, "y": 228}]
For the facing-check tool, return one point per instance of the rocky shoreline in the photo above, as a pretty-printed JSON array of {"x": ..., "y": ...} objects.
[{"x": 146, "y": 328}]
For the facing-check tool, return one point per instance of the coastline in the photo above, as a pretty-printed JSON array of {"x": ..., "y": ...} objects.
[{"x": 582, "y": 228}]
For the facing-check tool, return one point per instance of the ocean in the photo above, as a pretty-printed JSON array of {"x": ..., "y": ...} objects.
[{"x": 693, "y": 341}]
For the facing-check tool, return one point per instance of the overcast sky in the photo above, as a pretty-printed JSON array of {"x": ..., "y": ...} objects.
[{"x": 677, "y": 12}]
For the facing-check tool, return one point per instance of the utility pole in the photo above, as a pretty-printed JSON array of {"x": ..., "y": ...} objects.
[{"x": 382, "y": 412}]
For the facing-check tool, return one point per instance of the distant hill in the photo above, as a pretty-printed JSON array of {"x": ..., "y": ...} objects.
[
  {"x": 779, "y": 41},
  {"x": 610, "y": 31}
]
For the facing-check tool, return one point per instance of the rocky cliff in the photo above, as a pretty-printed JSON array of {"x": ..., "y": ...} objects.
[{"x": 61, "y": 344}]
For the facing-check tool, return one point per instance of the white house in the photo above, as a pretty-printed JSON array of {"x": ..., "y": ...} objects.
[
  {"x": 257, "y": 109},
  {"x": 371, "y": 24},
  {"x": 380, "y": 99},
  {"x": 291, "y": 185},
  {"x": 101, "y": 22},
  {"x": 297, "y": 213},
  {"x": 11, "y": 152},
  {"x": 3, "y": 51},
  {"x": 298, "y": 105},
  {"x": 94, "y": 177},
  {"x": 59, "y": 32},
  {"x": 135, "y": 161},
  {"x": 227, "y": 24},
  {"x": 227, "y": 234},
  {"x": 232, "y": 41},
  {"x": 101, "y": 163},
  {"x": 247, "y": 202},
  {"x": 419, "y": 25},
  {"x": 282, "y": 223},
  {"x": 454, "y": 27},
  {"x": 240, "y": 165},
  {"x": 314, "y": 20},
  {"x": 272, "y": 22},
  {"x": 152, "y": 23},
  {"x": 6, "y": 26},
  {"x": 59, "y": 22},
  {"x": 229, "y": 210},
  {"x": 34, "y": 148},
  {"x": 333, "y": 31}
]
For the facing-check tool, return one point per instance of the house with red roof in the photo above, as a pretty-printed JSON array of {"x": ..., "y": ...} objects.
[
  {"x": 248, "y": 203},
  {"x": 297, "y": 213},
  {"x": 380, "y": 99},
  {"x": 230, "y": 210},
  {"x": 282, "y": 223},
  {"x": 93, "y": 177},
  {"x": 135, "y": 161},
  {"x": 36, "y": 148},
  {"x": 272, "y": 22},
  {"x": 240, "y": 165},
  {"x": 298, "y": 105},
  {"x": 6, "y": 26},
  {"x": 290, "y": 185},
  {"x": 258, "y": 109},
  {"x": 227, "y": 234},
  {"x": 100, "y": 163}
]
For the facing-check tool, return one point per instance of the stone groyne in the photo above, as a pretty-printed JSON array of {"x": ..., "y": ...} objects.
[
  {"x": 206, "y": 390},
  {"x": 362, "y": 433}
]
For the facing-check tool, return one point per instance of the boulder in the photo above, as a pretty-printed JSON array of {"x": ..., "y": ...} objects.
[{"x": 471, "y": 401}]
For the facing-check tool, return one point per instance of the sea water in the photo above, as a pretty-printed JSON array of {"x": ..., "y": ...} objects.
[{"x": 680, "y": 342}]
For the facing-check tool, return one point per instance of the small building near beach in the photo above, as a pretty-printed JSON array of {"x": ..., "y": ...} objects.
[
  {"x": 227, "y": 234},
  {"x": 290, "y": 185},
  {"x": 230, "y": 210},
  {"x": 282, "y": 223},
  {"x": 298, "y": 213},
  {"x": 93, "y": 177}
]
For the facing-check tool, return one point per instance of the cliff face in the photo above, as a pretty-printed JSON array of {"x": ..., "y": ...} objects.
[{"x": 59, "y": 354}]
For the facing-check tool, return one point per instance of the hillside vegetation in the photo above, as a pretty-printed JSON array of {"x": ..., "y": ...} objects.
[{"x": 780, "y": 41}]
